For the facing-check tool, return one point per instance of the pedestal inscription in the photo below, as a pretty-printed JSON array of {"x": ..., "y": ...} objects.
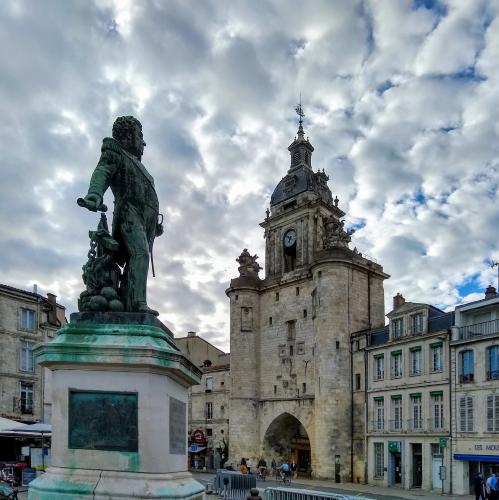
[
  {"x": 177, "y": 427},
  {"x": 103, "y": 420}
]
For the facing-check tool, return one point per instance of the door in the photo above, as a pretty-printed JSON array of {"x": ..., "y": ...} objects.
[
  {"x": 397, "y": 468},
  {"x": 436, "y": 482},
  {"x": 303, "y": 461},
  {"x": 417, "y": 465}
]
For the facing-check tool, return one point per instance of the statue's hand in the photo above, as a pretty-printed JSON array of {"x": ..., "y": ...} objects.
[
  {"x": 92, "y": 202},
  {"x": 159, "y": 229}
]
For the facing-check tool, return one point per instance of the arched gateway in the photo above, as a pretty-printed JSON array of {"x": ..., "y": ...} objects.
[{"x": 286, "y": 439}]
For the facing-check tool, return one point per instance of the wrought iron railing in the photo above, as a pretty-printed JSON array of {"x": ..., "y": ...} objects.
[
  {"x": 378, "y": 426},
  {"x": 436, "y": 424},
  {"x": 415, "y": 425},
  {"x": 466, "y": 378},
  {"x": 479, "y": 329},
  {"x": 492, "y": 374},
  {"x": 395, "y": 425}
]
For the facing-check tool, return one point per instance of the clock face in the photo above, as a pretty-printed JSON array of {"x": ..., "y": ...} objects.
[{"x": 290, "y": 238}]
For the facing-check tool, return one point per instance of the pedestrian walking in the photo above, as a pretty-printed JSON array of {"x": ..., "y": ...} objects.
[
  {"x": 294, "y": 469},
  {"x": 492, "y": 486}
]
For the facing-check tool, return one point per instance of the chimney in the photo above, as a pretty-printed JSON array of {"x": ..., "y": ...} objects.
[
  {"x": 191, "y": 334},
  {"x": 398, "y": 300},
  {"x": 490, "y": 292},
  {"x": 52, "y": 313}
]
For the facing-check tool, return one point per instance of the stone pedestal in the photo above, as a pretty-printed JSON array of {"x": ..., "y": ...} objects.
[{"x": 119, "y": 410}]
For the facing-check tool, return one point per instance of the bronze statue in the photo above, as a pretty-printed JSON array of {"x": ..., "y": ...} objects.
[{"x": 135, "y": 221}]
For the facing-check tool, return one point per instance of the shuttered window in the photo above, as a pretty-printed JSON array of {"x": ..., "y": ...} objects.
[
  {"x": 466, "y": 414},
  {"x": 493, "y": 413}
]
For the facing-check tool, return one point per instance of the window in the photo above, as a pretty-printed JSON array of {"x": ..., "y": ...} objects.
[
  {"x": 417, "y": 324},
  {"x": 270, "y": 320},
  {"x": 26, "y": 397},
  {"x": 466, "y": 414},
  {"x": 398, "y": 327},
  {"x": 357, "y": 381},
  {"x": 466, "y": 367},
  {"x": 493, "y": 413},
  {"x": 437, "y": 353},
  {"x": 493, "y": 362},
  {"x": 304, "y": 313},
  {"x": 297, "y": 291},
  {"x": 304, "y": 388},
  {"x": 396, "y": 413},
  {"x": 275, "y": 389},
  {"x": 209, "y": 384},
  {"x": 208, "y": 411},
  {"x": 379, "y": 367},
  {"x": 28, "y": 319},
  {"x": 291, "y": 350},
  {"x": 27, "y": 359},
  {"x": 291, "y": 330},
  {"x": 337, "y": 344},
  {"x": 300, "y": 348},
  {"x": 415, "y": 360},
  {"x": 437, "y": 404},
  {"x": 237, "y": 296},
  {"x": 379, "y": 414},
  {"x": 277, "y": 296},
  {"x": 417, "y": 412},
  {"x": 379, "y": 459},
  {"x": 209, "y": 432},
  {"x": 396, "y": 364}
]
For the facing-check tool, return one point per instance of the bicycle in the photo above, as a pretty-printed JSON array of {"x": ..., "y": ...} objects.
[{"x": 285, "y": 478}]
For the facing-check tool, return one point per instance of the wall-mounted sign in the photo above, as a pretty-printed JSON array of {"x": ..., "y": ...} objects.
[
  {"x": 443, "y": 442},
  {"x": 198, "y": 436},
  {"x": 394, "y": 446}
]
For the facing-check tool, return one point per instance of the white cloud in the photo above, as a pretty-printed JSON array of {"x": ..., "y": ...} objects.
[{"x": 402, "y": 107}]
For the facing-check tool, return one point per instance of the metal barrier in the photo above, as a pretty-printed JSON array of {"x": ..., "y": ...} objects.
[
  {"x": 233, "y": 485},
  {"x": 298, "y": 494}
]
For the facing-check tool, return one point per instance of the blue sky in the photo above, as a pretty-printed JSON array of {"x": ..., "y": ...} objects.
[{"x": 402, "y": 105}]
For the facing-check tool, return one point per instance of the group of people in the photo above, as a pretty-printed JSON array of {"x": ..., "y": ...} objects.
[
  {"x": 284, "y": 469},
  {"x": 488, "y": 489}
]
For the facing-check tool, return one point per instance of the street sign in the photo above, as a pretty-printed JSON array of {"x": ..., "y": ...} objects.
[{"x": 443, "y": 442}]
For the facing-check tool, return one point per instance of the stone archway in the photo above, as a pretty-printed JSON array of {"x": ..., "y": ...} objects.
[{"x": 286, "y": 439}]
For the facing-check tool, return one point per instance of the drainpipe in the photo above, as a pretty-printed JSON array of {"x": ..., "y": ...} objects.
[
  {"x": 351, "y": 409},
  {"x": 366, "y": 373},
  {"x": 450, "y": 411}
]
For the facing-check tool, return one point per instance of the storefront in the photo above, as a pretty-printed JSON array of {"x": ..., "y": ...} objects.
[
  {"x": 197, "y": 458},
  {"x": 470, "y": 458}
]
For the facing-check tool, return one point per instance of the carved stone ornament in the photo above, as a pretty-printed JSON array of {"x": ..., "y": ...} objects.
[
  {"x": 335, "y": 234},
  {"x": 248, "y": 265}
]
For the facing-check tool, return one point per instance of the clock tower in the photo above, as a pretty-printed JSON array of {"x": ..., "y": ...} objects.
[{"x": 291, "y": 370}]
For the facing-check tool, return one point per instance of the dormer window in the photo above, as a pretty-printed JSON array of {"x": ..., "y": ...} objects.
[
  {"x": 397, "y": 328},
  {"x": 417, "y": 324}
]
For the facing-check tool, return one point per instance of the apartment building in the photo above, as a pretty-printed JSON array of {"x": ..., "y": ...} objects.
[
  {"x": 26, "y": 319},
  {"x": 475, "y": 390},
  {"x": 407, "y": 396}
]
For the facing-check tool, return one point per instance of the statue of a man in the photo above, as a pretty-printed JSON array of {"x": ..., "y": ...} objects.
[{"x": 136, "y": 207}]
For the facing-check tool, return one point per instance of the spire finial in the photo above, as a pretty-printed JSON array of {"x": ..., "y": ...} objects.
[{"x": 301, "y": 114}]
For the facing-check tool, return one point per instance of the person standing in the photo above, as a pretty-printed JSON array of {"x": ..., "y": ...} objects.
[
  {"x": 294, "y": 469},
  {"x": 478, "y": 487}
]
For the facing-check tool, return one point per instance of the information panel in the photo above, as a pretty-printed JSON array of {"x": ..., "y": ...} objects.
[
  {"x": 178, "y": 429},
  {"x": 101, "y": 420}
]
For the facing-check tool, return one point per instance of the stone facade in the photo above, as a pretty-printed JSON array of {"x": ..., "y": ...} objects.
[
  {"x": 475, "y": 390},
  {"x": 26, "y": 319},
  {"x": 408, "y": 409},
  {"x": 208, "y": 407},
  {"x": 290, "y": 332}
]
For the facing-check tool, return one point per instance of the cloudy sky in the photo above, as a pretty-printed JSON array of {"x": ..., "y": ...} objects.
[{"x": 402, "y": 105}]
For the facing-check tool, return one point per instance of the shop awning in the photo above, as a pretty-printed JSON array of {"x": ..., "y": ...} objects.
[
  {"x": 477, "y": 458},
  {"x": 194, "y": 448}
]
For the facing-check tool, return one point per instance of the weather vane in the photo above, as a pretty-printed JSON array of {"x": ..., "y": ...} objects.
[{"x": 299, "y": 111}]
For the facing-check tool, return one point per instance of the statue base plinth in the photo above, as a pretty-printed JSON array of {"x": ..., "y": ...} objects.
[{"x": 119, "y": 411}]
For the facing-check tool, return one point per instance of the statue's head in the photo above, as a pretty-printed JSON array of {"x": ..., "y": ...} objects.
[{"x": 127, "y": 130}]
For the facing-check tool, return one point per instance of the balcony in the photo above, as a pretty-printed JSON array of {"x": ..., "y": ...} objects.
[
  {"x": 395, "y": 425},
  {"x": 415, "y": 425},
  {"x": 466, "y": 378},
  {"x": 436, "y": 424},
  {"x": 378, "y": 426},
  {"x": 478, "y": 329},
  {"x": 492, "y": 374}
]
